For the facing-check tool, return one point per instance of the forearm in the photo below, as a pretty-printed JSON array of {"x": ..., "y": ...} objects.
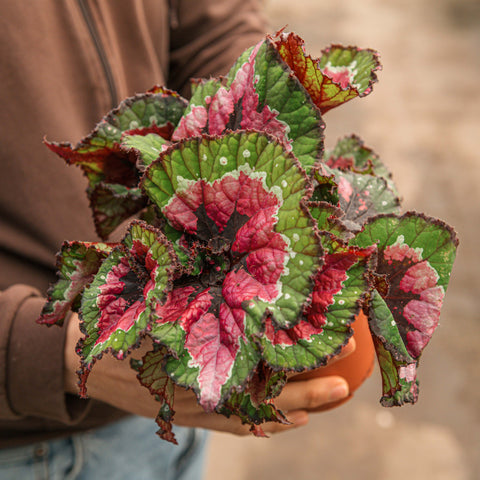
[{"x": 32, "y": 362}]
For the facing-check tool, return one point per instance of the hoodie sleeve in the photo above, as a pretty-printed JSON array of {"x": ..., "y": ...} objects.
[
  {"x": 32, "y": 362},
  {"x": 208, "y": 35}
]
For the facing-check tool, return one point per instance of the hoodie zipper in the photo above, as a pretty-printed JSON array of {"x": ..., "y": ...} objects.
[{"x": 87, "y": 16}]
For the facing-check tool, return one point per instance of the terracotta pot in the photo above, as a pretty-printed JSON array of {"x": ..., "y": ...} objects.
[{"x": 355, "y": 368}]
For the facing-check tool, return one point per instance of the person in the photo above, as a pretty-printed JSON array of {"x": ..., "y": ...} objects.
[{"x": 64, "y": 65}]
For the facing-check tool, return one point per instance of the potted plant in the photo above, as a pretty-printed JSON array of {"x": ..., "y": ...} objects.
[{"x": 252, "y": 250}]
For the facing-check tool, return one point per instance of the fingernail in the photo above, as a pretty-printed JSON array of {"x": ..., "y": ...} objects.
[
  {"x": 338, "y": 392},
  {"x": 298, "y": 418}
]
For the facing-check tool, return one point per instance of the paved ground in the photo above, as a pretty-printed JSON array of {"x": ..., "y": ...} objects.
[{"x": 423, "y": 119}]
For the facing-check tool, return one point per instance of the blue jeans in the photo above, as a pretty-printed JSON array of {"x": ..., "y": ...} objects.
[{"x": 128, "y": 449}]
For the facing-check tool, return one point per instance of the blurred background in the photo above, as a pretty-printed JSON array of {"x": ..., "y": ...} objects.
[{"x": 423, "y": 119}]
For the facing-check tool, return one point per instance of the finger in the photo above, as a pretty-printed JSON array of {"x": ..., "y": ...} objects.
[
  {"x": 312, "y": 393},
  {"x": 219, "y": 423},
  {"x": 297, "y": 418}
]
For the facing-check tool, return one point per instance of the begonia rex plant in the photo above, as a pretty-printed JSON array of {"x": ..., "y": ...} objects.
[{"x": 252, "y": 250}]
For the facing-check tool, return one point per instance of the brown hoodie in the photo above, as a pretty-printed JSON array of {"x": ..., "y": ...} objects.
[{"x": 63, "y": 66}]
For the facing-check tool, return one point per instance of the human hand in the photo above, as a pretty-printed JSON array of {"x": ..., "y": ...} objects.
[{"x": 114, "y": 382}]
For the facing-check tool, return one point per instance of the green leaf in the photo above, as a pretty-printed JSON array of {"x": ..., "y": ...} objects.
[
  {"x": 112, "y": 204},
  {"x": 151, "y": 375},
  {"x": 329, "y": 219},
  {"x": 147, "y": 146},
  {"x": 325, "y": 186},
  {"x": 254, "y": 405}
]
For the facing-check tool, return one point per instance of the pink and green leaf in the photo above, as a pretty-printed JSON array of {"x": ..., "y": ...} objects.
[
  {"x": 116, "y": 307},
  {"x": 77, "y": 264},
  {"x": 364, "y": 196},
  {"x": 261, "y": 95},
  {"x": 238, "y": 198},
  {"x": 339, "y": 75},
  {"x": 267, "y": 97},
  {"x": 208, "y": 111},
  {"x": 415, "y": 258},
  {"x": 207, "y": 340},
  {"x": 350, "y": 154},
  {"x": 243, "y": 194},
  {"x": 101, "y": 156},
  {"x": 339, "y": 288},
  {"x": 112, "y": 313},
  {"x": 207, "y": 337},
  {"x": 363, "y": 184},
  {"x": 397, "y": 366}
]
